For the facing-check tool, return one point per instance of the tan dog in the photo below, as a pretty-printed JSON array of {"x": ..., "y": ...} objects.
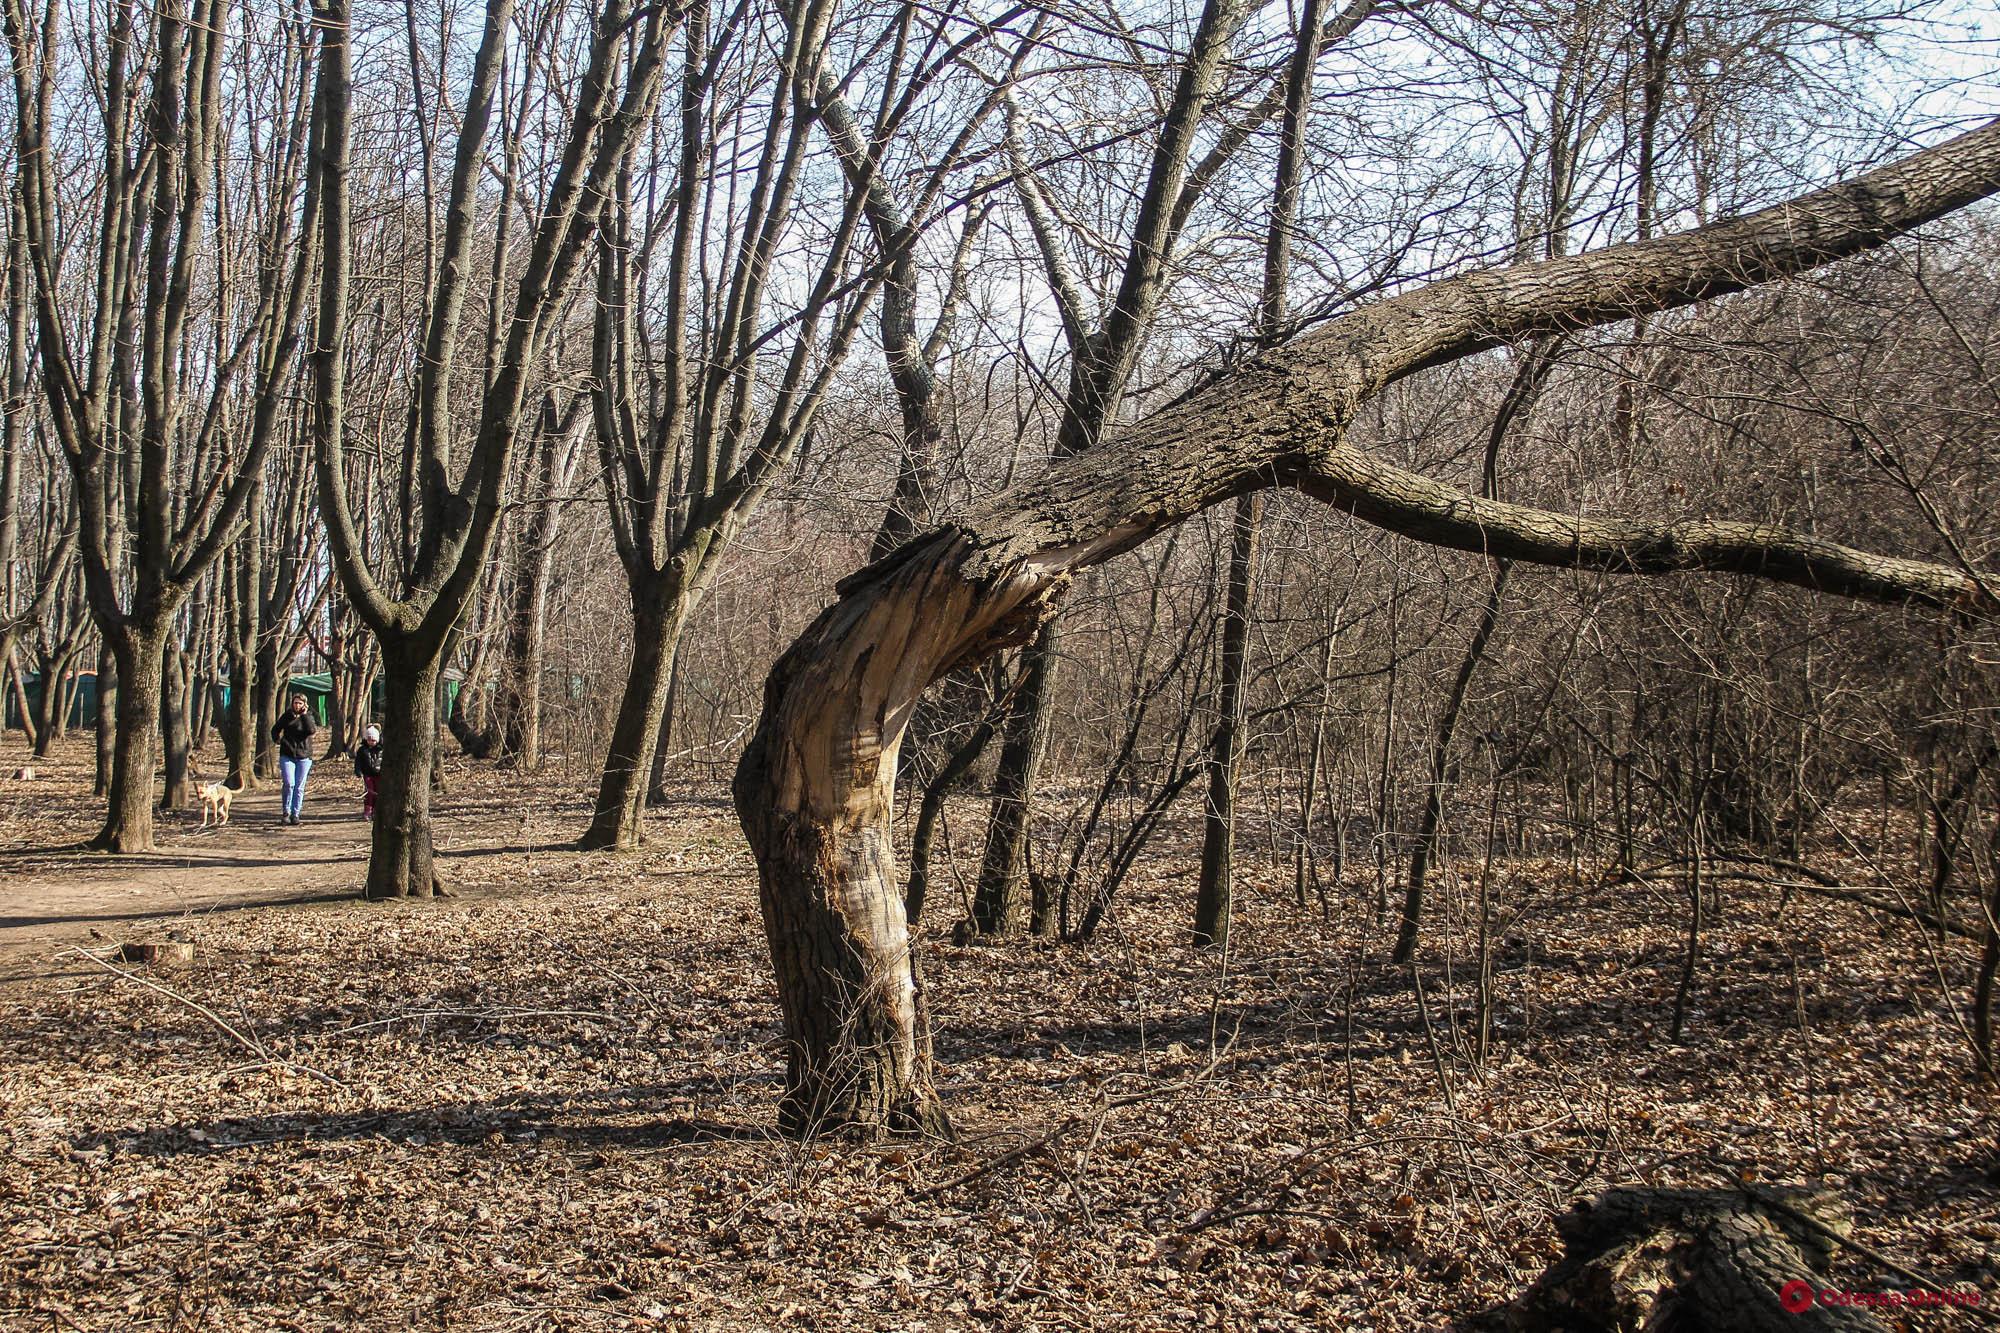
[{"x": 215, "y": 799}]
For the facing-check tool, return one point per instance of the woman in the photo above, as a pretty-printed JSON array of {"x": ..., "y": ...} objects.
[{"x": 294, "y": 734}]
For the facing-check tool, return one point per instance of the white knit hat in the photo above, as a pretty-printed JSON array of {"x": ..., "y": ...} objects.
[{"x": 372, "y": 734}]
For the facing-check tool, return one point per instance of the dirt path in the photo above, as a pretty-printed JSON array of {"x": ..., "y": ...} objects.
[{"x": 253, "y": 861}]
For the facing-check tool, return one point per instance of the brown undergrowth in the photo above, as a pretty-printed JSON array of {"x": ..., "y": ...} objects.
[{"x": 546, "y": 1103}]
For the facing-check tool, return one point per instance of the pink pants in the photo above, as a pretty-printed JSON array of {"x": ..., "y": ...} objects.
[{"x": 368, "y": 796}]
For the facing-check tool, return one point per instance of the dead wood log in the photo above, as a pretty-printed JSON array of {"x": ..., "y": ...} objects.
[{"x": 1713, "y": 1261}]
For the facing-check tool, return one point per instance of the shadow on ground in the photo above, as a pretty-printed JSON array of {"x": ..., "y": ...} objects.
[{"x": 603, "y": 1119}]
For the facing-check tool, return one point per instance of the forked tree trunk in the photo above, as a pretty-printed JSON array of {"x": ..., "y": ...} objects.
[
  {"x": 658, "y": 615},
  {"x": 128, "y": 822},
  {"x": 401, "y": 856},
  {"x": 51, "y": 707},
  {"x": 814, "y": 789}
]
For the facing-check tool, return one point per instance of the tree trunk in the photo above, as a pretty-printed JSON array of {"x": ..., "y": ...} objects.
[
  {"x": 19, "y": 690},
  {"x": 521, "y": 692},
  {"x": 174, "y": 734},
  {"x": 1000, "y": 902},
  {"x": 400, "y": 855},
  {"x": 201, "y": 711},
  {"x": 341, "y": 723},
  {"x": 128, "y": 823},
  {"x": 519, "y": 698},
  {"x": 51, "y": 708},
  {"x": 107, "y": 719},
  {"x": 656, "y": 790},
  {"x": 658, "y": 614},
  {"x": 928, "y": 810},
  {"x": 1717, "y": 1260},
  {"x": 1442, "y": 770},
  {"x": 814, "y": 792},
  {"x": 1218, "y": 845},
  {"x": 470, "y": 719},
  {"x": 239, "y": 722},
  {"x": 268, "y": 684}
]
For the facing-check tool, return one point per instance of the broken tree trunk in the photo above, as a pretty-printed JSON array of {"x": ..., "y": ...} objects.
[
  {"x": 814, "y": 789},
  {"x": 1721, "y": 1261}
]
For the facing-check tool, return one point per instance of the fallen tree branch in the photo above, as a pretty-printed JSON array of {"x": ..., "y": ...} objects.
[
  {"x": 1074, "y": 1122},
  {"x": 248, "y": 1043},
  {"x": 1857, "y": 894}
]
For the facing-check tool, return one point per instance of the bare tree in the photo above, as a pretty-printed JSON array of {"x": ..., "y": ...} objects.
[
  {"x": 1218, "y": 845},
  {"x": 813, "y": 789},
  {"x": 159, "y": 493},
  {"x": 454, "y": 521}
]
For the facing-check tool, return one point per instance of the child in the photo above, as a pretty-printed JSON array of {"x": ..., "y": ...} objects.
[{"x": 368, "y": 767}]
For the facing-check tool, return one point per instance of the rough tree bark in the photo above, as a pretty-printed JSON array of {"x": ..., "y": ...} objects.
[{"x": 814, "y": 789}]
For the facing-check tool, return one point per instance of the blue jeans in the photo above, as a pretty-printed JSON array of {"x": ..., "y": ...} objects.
[{"x": 294, "y": 772}]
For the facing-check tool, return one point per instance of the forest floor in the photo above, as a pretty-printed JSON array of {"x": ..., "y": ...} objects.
[{"x": 546, "y": 1102}]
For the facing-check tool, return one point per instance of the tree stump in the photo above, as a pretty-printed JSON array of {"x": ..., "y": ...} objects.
[
  {"x": 1686, "y": 1260},
  {"x": 157, "y": 953}
]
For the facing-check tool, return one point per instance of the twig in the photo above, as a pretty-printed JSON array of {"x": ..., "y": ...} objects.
[
  {"x": 485, "y": 1015},
  {"x": 249, "y": 1044},
  {"x": 1858, "y": 895},
  {"x": 1007, "y": 1159}
]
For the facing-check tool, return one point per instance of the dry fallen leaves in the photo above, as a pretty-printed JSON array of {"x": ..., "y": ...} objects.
[{"x": 548, "y": 1101}]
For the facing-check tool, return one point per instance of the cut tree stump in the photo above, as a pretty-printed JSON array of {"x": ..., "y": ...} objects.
[
  {"x": 157, "y": 953},
  {"x": 1686, "y": 1261}
]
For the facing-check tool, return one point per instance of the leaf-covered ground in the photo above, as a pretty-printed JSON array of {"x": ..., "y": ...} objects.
[{"x": 546, "y": 1102}]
